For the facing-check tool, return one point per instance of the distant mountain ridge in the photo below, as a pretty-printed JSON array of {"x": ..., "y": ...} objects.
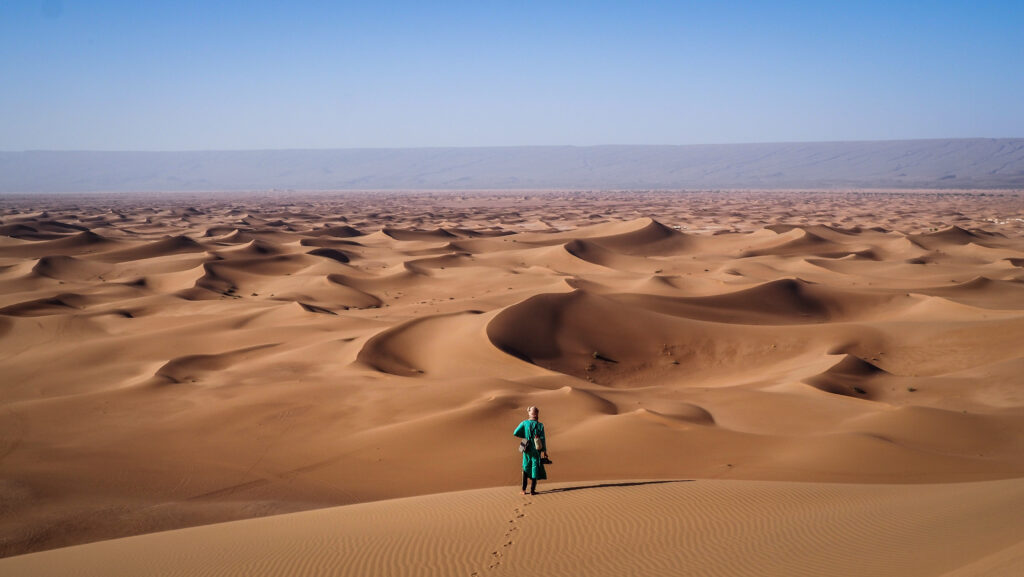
[{"x": 950, "y": 163}]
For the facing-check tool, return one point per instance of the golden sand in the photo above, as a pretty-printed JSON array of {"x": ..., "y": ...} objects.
[{"x": 855, "y": 359}]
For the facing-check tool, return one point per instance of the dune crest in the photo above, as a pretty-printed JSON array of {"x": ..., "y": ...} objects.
[{"x": 652, "y": 527}]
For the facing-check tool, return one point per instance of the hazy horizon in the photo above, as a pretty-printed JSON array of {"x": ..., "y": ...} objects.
[
  {"x": 193, "y": 76},
  {"x": 949, "y": 163},
  {"x": 512, "y": 146},
  {"x": 552, "y": 146}
]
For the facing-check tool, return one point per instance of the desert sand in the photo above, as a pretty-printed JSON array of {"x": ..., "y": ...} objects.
[
  {"x": 620, "y": 528},
  {"x": 733, "y": 382}
]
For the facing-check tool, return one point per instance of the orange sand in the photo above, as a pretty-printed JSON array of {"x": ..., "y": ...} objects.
[
  {"x": 179, "y": 361},
  {"x": 762, "y": 528}
]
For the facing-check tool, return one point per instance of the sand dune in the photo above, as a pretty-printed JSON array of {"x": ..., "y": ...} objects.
[
  {"x": 672, "y": 527},
  {"x": 840, "y": 373},
  {"x": 159, "y": 248}
]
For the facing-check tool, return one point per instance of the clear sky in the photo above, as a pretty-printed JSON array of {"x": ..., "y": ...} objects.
[{"x": 220, "y": 74}]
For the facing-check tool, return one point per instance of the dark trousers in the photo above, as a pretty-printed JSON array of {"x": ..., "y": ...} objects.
[{"x": 533, "y": 484}]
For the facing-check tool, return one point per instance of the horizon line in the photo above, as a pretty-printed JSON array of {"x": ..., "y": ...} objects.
[{"x": 505, "y": 146}]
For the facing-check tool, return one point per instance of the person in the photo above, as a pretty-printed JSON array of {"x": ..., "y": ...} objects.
[{"x": 533, "y": 459}]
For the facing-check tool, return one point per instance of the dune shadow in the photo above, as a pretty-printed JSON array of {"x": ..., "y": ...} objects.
[{"x": 605, "y": 485}]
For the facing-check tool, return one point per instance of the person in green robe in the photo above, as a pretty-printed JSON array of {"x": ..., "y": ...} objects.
[{"x": 536, "y": 453}]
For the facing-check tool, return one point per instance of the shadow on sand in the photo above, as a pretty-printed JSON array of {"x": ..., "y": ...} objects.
[{"x": 624, "y": 484}]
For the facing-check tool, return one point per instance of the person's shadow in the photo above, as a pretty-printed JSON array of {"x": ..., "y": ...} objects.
[{"x": 623, "y": 484}]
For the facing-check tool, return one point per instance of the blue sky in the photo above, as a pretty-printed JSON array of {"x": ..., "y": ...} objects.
[{"x": 110, "y": 75}]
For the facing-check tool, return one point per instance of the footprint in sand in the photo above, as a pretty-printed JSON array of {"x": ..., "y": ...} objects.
[
  {"x": 496, "y": 555},
  {"x": 495, "y": 559},
  {"x": 518, "y": 513}
]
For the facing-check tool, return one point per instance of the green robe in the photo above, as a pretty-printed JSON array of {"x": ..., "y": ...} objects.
[{"x": 531, "y": 456}]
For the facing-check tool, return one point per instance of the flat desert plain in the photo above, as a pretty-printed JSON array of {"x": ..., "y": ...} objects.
[{"x": 732, "y": 383}]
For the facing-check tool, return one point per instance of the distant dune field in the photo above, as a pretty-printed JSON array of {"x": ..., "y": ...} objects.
[{"x": 746, "y": 383}]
